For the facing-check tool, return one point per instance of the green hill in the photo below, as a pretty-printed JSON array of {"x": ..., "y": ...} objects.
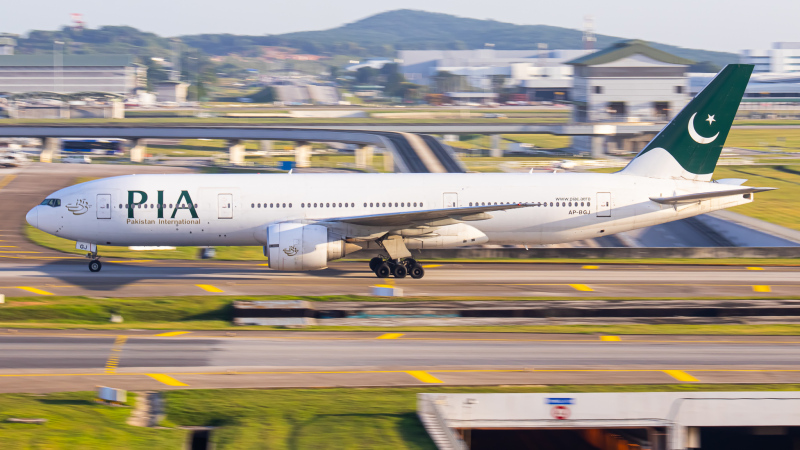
[
  {"x": 379, "y": 35},
  {"x": 384, "y": 33}
]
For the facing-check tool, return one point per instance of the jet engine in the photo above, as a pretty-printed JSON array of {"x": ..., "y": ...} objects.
[{"x": 298, "y": 246}]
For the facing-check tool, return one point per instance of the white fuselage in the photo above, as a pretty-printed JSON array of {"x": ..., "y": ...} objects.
[{"x": 236, "y": 209}]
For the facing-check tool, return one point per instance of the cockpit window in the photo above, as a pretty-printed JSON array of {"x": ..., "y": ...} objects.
[{"x": 54, "y": 202}]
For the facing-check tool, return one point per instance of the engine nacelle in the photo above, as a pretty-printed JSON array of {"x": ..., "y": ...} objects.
[{"x": 298, "y": 246}]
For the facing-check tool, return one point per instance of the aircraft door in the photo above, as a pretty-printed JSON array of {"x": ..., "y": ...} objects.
[
  {"x": 225, "y": 206},
  {"x": 604, "y": 204},
  {"x": 450, "y": 200},
  {"x": 103, "y": 206}
]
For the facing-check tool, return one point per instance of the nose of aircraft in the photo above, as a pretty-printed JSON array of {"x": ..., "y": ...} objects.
[{"x": 33, "y": 217}]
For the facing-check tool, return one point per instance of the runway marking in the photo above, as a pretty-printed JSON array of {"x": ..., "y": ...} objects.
[
  {"x": 16, "y": 251},
  {"x": 8, "y": 179},
  {"x": 589, "y": 267},
  {"x": 8, "y": 246},
  {"x": 173, "y": 333},
  {"x": 116, "y": 350},
  {"x": 431, "y": 266},
  {"x": 384, "y": 286},
  {"x": 34, "y": 290},
  {"x": 610, "y": 338},
  {"x": 755, "y": 268},
  {"x": 761, "y": 289},
  {"x": 581, "y": 287},
  {"x": 425, "y": 377},
  {"x": 209, "y": 288},
  {"x": 166, "y": 379},
  {"x": 390, "y": 336},
  {"x": 681, "y": 375}
]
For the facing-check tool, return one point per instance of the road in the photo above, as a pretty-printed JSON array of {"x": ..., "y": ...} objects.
[
  {"x": 67, "y": 275},
  {"x": 49, "y": 361}
]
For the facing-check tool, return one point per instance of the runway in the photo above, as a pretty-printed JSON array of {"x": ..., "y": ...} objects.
[
  {"x": 49, "y": 361},
  {"x": 65, "y": 275}
]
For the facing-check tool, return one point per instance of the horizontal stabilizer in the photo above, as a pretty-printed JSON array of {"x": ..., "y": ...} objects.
[
  {"x": 408, "y": 218},
  {"x": 692, "y": 198}
]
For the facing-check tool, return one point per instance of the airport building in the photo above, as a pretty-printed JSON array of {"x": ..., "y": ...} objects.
[
  {"x": 626, "y": 82},
  {"x": 542, "y": 74},
  {"x": 68, "y": 74},
  {"x": 629, "y": 82},
  {"x": 782, "y": 58}
]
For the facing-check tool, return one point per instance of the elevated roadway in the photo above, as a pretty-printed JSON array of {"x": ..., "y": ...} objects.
[{"x": 48, "y": 361}]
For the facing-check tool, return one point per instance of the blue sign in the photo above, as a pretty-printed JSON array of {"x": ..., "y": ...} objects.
[
  {"x": 560, "y": 401},
  {"x": 287, "y": 165}
]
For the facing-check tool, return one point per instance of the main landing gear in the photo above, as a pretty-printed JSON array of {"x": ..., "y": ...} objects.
[
  {"x": 94, "y": 264},
  {"x": 398, "y": 268}
]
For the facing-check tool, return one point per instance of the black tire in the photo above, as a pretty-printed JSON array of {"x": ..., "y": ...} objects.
[
  {"x": 400, "y": 271},
  {"x": 383, "y": 271},
  {"x": 375, "y": 262},
  {"x": 95, "y": 266},
  {"x": 417, "y": 272}
]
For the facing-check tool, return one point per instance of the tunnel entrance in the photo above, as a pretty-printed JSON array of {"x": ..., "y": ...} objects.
[
  {"x": 747, "y": 438},
  {"x": 565, "y": 439}
]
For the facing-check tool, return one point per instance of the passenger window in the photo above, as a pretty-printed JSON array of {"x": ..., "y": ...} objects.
[
  {"x": 384, "y": 205},
  {"x": 588, "y": 203},
  {"x": 420, "y": 204},
  {"x": 415, "y": 204},
  {"x": 253, "y": 205},
  {"x": 581, "y": 203},
  {"x": 290, "y": 205}
]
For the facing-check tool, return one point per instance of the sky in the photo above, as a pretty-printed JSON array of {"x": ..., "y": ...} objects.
[{"x": 722, "y": 25}]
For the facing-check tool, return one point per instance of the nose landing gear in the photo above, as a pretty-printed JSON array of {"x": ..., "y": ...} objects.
[{"x": 94, "y": 264}]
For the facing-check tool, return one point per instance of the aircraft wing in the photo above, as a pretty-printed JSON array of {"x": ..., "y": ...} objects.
[
  {"x": 691, "y": 198},
  {"x": 413, "y": 218}
]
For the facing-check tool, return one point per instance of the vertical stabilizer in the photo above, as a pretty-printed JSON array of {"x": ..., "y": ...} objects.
[{"x": 690, "y": 145}]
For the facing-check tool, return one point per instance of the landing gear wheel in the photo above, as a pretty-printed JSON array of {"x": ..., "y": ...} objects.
[
  {"x": 375, "y": 262},
  {"x": 95, "y": 266},
  {"x": 399, "y": 271},
  {"x": 383, "y": 271},
  {"x": 416, "y": 272}
]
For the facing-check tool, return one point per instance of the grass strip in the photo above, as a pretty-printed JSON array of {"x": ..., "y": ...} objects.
[
  {"x": 374, "y": 418},
  {"x": 215, "y": 313},
  {"x": 75, "y": 421}
]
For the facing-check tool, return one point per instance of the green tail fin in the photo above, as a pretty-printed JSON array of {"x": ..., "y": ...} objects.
[{"x": 694, "y": 138}]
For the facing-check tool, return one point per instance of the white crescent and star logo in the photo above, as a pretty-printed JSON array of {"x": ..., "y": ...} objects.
[{"x": 696, "y": 136}]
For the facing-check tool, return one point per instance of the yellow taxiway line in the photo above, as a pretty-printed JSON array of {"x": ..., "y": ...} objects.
[
  {"x": 166, "y": 379},
  {"x": 209, "y": 288},
  {"x": 681, "y": 376},
  {"x": 34, "y": 290},
  {"x": 5, "y": 181},
  {"x": 425, "y": 377},
  {"x": 389, "y": 336},
  {"x": 173, "y": 333},
  {"x": 113, "y": 359}
]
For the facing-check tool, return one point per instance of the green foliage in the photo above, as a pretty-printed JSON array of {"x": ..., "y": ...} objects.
[
  {"x": 87, "y": 310},
  {"x": 74, "y": 421}
]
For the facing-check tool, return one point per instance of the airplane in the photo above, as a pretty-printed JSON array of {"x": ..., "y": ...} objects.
[{"x": 303, "y": 221}]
